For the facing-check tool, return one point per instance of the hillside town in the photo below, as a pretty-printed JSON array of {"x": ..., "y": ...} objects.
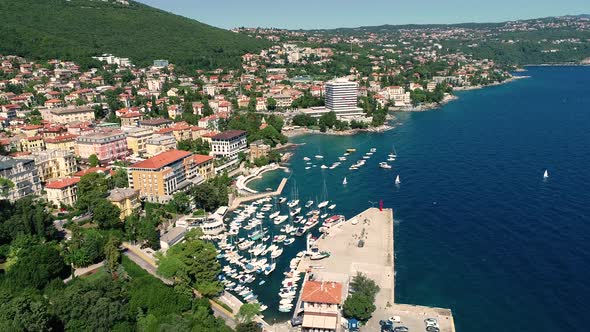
[{"x": 156, "y": 160}]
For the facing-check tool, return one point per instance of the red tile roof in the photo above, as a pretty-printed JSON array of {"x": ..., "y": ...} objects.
[
  {"x": 62, "y": 183},
  {"x": 201, "y": 158},
  {"x": 322, "y": 292},
  {"x": 163, "y": 159},
  {"x": 60, "y": 138},
  {"x": 91, "y": 170}
]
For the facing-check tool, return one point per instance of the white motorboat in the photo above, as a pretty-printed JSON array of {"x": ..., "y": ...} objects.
[
  {"x": 332, "y": 207},
  {"x": 324, "y": 167},
  {"x": 306, "y": 158},
  {"x": 289, "y": 241},
  {"x": 373, "y": 150},
  {"x": 280, "y": 219},
  {"x": 384, "y": 165},
  {"x": 323, "y": 204},
  {"x": 276, "y": 253},
  {"x": 319, "y": 157},
  {"x": 295, "y": 212},
  {"x": 282, "y": 200},
  {"x": 308, "y": 204},
  {"x": 308, "y": 167},
  {"x": 293, "y": 203},
  {"x": 274, "y": 214},
  {"x": 342, "y": 158},
  {"x": 270, "y": 268}
]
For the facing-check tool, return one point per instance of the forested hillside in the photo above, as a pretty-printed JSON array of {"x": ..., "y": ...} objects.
[{"x": 78, "y": 29}]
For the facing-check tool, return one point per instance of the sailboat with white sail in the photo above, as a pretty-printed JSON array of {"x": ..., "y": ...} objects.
[
  {"x": 325, "y": 202},
  {"x": 546, "y": 175},
  {"x": 345, "y": 182},
  {"x": 392, "y": 155},
  {"x": 397, "y": 180}
]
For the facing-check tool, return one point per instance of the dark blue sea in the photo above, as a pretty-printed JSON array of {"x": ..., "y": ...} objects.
[{"x": 478, "y": 229}]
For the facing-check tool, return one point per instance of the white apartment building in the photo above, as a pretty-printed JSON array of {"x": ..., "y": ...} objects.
[
  {"x": 342, "y": 97},
  {"x": 228, "y": 144}
]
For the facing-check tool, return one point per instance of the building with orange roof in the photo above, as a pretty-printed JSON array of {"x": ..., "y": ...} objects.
[
  {"x": 158, "y": 178},
  {"x": 320, "y": 302},
  {"x": 66, "y": 115},
  {"x": 65, "y": 142},
  {"x": 131, "y": 119},
  {"x": 205, "y": 165},
  {"x": 90, "y": 170},
  {"x": 62, "y": 192},
  {"x": 32, "y": 144}
]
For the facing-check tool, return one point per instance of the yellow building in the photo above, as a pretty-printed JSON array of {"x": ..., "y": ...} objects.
[
  {"x": 137, "y": 139},
  {"x": 158, "y": 144},
  {"x": 258, "y": 149},
  {"x": 64, "y": 115},
  {"x": 54, "y": 164},
  {"x": 32, "y": 144},
  {"x": 160, "y": 177},
  {"x": 65, "y": 142},
  {"x": 126, "y": 199},
  {"x": 205, "y": 166}
]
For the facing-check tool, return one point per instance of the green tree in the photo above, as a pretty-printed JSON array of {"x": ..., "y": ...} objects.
[
  {"x": 248, "y": 327},
  {"x": 358, "y": 306},
  {"x": 106, "y": 214},
  {"x": 97, "y": 305},
  {"x": 112, "y": 255},
  {"x": 36, "y": 266},
  {"x": 120, "y": 179},
  {"x": 271, "y": 104},
  {"x": 248, "y": 312},
  {"x": 180, "y": 203},
  {"x": 93, "y": 160},
  {"x": 192, "y": 263},
  {"x": 303, "y": 120},
  {"x": 27, "y": 311}
]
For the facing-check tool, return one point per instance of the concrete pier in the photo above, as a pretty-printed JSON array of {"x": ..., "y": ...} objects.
[
  {"x": 241, "y": 199},
  {"x": 365, "y": 243}
]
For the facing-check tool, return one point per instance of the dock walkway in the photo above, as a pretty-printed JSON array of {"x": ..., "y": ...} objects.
[{"x": 247, "y": 198}]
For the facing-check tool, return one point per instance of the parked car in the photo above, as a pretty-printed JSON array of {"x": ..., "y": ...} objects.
[
  {"x": 401, "y": 329},
  {"x": 431, "y": 322},
  {"x": 432, "y": 329}
]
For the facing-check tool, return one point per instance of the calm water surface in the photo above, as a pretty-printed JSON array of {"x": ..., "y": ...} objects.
[{"x": 477, "y": 228}]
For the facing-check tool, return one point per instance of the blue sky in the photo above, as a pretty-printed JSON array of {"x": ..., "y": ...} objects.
[{"x": 309, "y": 14}]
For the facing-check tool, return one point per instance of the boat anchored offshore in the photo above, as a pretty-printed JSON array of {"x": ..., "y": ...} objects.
[
  {"x": 397, "y": 180},
  {"x": 344, "y": 182},
  {"x": 546, "y": 175},
  {"x": 384, "y": 165}
]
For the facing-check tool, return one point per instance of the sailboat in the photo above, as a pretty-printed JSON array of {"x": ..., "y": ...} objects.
[
  {"x": 397, "y": 181},
  {"x": 545, "y": 175},
  {"x": 325, "y": 194},
  {"x": 392, "y": 155},
  {"x": 345, "y": 182}
]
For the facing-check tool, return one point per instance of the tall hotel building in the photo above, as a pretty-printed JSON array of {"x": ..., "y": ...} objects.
[{"x": 342, "y": 97}]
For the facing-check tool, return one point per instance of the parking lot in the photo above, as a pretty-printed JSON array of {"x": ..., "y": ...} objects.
[{"x": 411, "y": 317}]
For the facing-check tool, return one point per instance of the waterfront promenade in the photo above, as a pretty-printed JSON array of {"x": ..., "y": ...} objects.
[
  {"x": 365, "y": 243},
  {"x": 235, "y": 202}
]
